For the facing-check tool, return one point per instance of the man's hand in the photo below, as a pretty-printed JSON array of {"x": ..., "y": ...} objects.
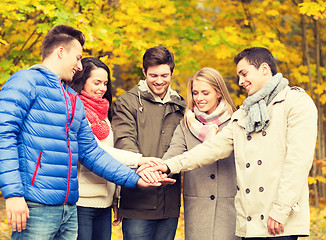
[
  {"x": 17, "y": 213},
  {"x": 274, "y": 227},
  {"x": 154, "y": 165},
  {"x": 163, "y": 180},
  {"x": 117, "y": 219},
  {"x": 150, "y": 176}
]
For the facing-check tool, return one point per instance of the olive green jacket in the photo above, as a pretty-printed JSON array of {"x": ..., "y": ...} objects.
[{"x": 144, "y": 125}]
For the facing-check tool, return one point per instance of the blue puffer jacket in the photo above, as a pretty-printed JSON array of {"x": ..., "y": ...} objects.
[{"x": 43, "y": 133}]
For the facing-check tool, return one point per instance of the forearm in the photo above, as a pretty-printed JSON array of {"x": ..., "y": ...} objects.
[{"x": 218, "y": 147}]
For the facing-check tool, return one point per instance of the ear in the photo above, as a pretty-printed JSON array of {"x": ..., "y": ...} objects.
[
  {"x": 265, "y": 68},
  {"x": 172, "y": 72},
  {"x": 144, "y": 72},
  {"x": 60, "y": 52}
]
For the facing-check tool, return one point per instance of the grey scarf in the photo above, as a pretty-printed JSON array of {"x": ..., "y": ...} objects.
[{"x": 256, "y": 104}]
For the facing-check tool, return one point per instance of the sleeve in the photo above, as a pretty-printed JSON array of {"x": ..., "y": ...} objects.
[
  {"x": 16, "y": 97},
  {"x": 300, "y": 145},
  {"x": 100, "y": 162},
  {"x": 129, "y": 159},
  {"x": 218, "y": 147},
  {"x": 178, "y": 144},
  {"x": 124, "y": 124}
]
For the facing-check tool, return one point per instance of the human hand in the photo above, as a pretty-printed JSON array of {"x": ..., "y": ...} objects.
[
  {"x": 117, "y": 220},
  {"x": 142, "y": 184},
  {"x": 274, "y": 227},
  {"x": 17, "y": 213},
  {"x": 164, "y": 180},
  {"x": 155, "y": 164},
  {"x": 149, "y": 176},
  {"x": 152, "y": 161}
]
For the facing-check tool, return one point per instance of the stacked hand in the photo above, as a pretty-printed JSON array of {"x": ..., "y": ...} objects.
[{"x": 151, "y": 173}]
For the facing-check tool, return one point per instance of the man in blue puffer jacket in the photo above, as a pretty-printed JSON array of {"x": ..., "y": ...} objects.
[{"x": 43, "y": 134}]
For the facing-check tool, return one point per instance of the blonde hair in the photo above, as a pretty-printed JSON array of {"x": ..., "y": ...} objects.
[{"x": 213, "y": 78}]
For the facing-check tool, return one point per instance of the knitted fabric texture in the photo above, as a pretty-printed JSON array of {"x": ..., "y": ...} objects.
[
  {"x": 96, "y": 112},
  {"x": 256, "y": 104},
  {"x": 204, "y": 126}
]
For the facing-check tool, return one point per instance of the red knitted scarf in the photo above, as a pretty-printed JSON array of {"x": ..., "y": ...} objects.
[{"x": 96, "y": 111}]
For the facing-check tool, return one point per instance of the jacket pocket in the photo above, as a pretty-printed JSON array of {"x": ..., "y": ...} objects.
[{"x": 38, "y": 165}]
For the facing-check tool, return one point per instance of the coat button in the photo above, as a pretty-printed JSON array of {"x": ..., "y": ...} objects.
[
  {"x": 247, "y": 190},
  {"x": 238, "y": 188},
  {"x": 264, "y": 133},
  {"x": 212, "y": 197},
  {"x": 261, "y": 189},
  {"x": 262, "y": 217},
  {"x": 163, "y": 131},
  {"x": 247, "y": 165},
  {"x": 259, "y": 162},
  {"x": 248, "y": 218},
  {"x": 248, "y": 137},
  {"x": 212, "y": 176}
]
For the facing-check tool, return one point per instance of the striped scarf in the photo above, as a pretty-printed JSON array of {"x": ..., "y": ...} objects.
[{"x": 204, "y": 126}]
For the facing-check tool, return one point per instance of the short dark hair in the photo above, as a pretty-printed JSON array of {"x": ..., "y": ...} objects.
[
  {"x": 156, "y": 56},
  {"x": 60, "y": 34},
  {"x": 80, "y": 78},
  {"x": 256, "y": 56}
]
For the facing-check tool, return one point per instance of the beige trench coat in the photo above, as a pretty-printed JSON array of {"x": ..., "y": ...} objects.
[{"x": 272, "y": 165}]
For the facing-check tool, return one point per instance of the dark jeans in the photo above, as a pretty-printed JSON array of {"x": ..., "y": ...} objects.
[
  {"x": 274, "y": 238},
  {"x": 94, "y": 223},
  {"x": 137, "y": 229}
]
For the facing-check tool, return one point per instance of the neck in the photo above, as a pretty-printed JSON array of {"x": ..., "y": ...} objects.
[{"x": 52, "y": 66}]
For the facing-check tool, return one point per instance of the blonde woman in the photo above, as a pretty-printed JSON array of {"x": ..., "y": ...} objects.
[{"x": 208, "y": 192}]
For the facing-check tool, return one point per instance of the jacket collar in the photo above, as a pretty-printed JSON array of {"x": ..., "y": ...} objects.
[{"x": 174, "y": 97}]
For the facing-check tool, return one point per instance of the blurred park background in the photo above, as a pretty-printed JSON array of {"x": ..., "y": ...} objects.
[{"x": 201, "y": 33}]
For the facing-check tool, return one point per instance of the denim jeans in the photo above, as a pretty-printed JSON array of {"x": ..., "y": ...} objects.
[
  {"x": 94, "y": 223},
  {"x": 274, "y": 238},
  {"x": 137, "y": 229},
  {"x": 47, "y": 222}
]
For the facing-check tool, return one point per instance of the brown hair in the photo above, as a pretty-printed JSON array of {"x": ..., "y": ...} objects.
[
  {"x": 213, "y": 78},
  {"x": 256, "y": 56},
  {"x": 60, "y": 35},
  {"x": 156, "y": 56}
]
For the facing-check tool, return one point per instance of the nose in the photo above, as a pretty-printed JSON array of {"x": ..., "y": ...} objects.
[
  {"x": 79, "y": 66},
  {"x": 199, "y": 96},
  {"x": 159, "y": 79},
  {"x": 103, "y": 87},
  {"x": 241, "y": 81}
]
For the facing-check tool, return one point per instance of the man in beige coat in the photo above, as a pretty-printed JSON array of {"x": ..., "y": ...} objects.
[{"x": 273, "y": 135}]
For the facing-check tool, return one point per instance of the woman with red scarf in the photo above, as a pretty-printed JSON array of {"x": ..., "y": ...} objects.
[
  {"x": 96, "y": 195},
  {"x": 208, "y": 192}
]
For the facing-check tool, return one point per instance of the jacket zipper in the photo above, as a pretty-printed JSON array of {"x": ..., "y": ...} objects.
[
  {"x": 68, "y": 143},
  {"x": 38, "y": 165}
]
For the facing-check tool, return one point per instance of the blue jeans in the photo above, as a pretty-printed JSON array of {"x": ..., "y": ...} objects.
[
  {"x": 94, "y": 223},
  {"x": 47, "y": 222},
  {"x": 137, "y": 229},
  {"x": 274, "y": 238}
]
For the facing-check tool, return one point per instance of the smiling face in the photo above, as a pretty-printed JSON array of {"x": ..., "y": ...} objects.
[
  {"x": 251, "y": 78},
  {"x": 205, "y": 96},
  {"x": 71, "y": 60},
  {"x": 96, "y": 84},
  {"x": 158, "y": 79}
]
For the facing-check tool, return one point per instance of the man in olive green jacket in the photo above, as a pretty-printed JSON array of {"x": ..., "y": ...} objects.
[{"x": 144, "y": 120}]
